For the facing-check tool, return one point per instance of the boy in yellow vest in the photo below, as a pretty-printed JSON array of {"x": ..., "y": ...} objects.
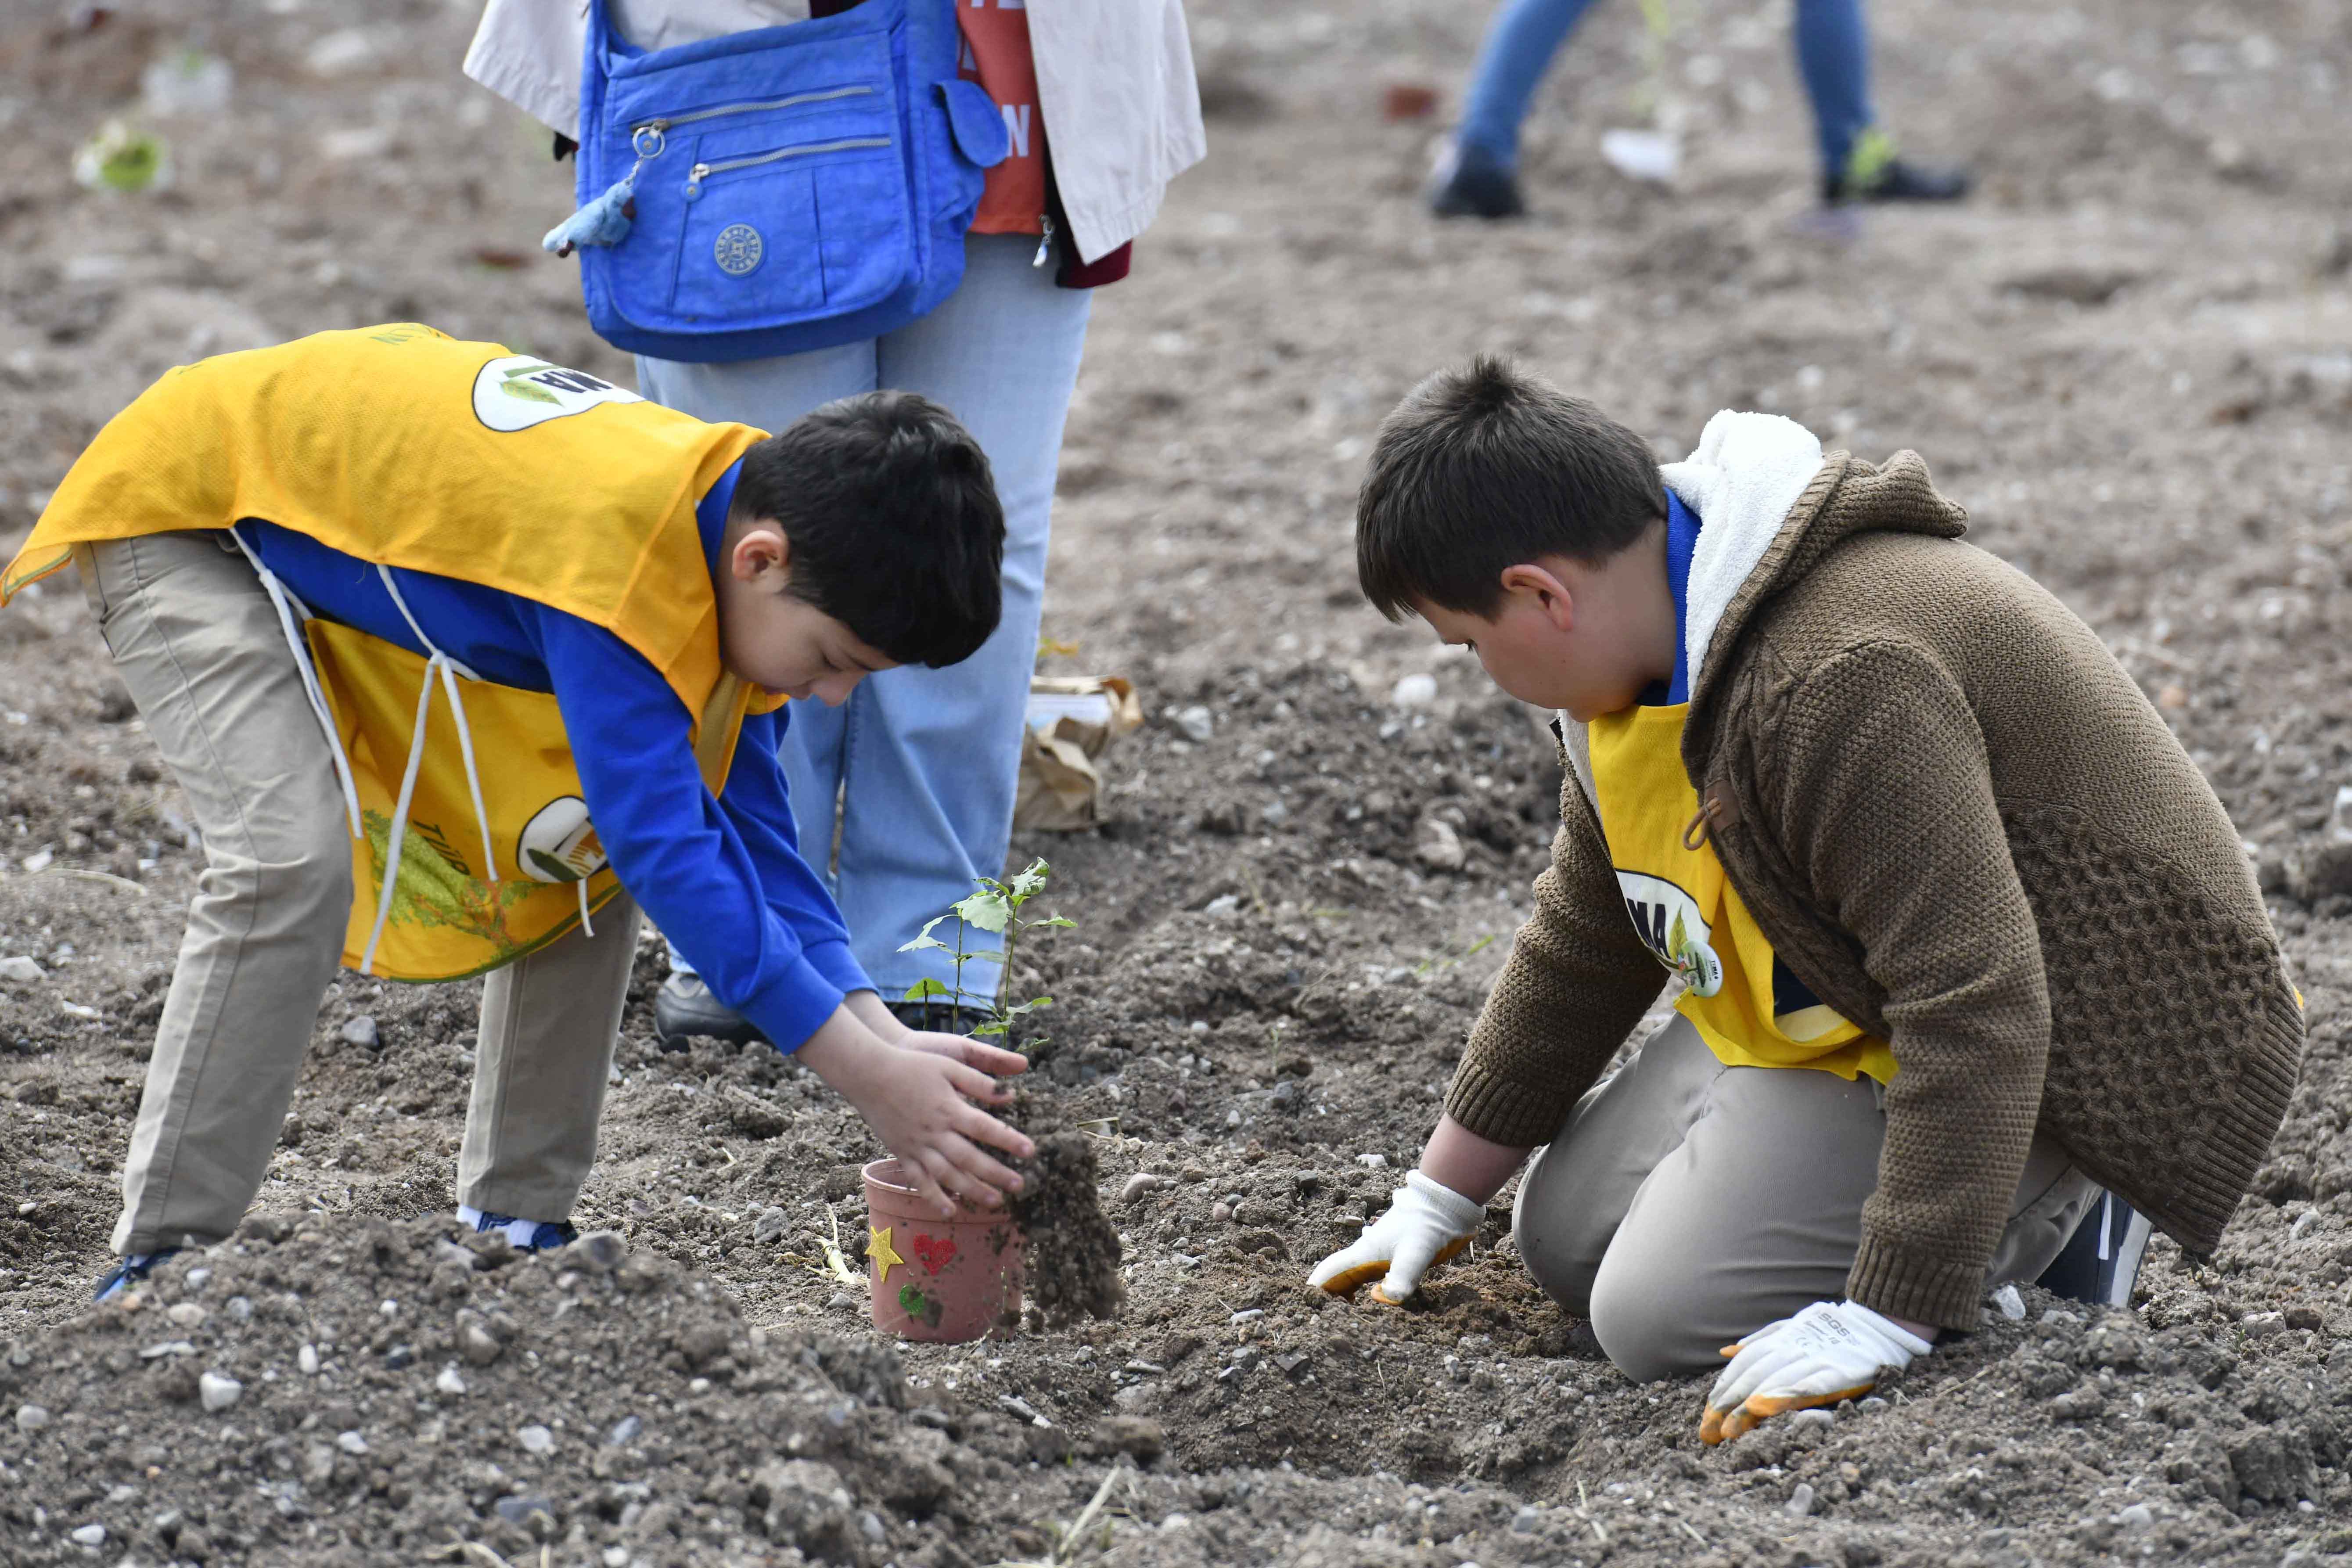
[
  {"x": 1960, "y": 931},
  {"x": 463, "y": 659}
]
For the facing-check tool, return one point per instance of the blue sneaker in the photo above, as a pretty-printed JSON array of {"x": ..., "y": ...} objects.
[
  {"x": 530, "y": 1234},
  {"x": 129, "y": 1272}
]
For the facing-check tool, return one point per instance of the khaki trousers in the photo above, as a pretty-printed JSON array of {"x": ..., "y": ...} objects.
[
  {"x": 199, "y": 645},
  {"x": 1685, "y": 1203}
]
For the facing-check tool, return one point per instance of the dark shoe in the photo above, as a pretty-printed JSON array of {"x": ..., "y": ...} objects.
[
  {"x": 530, "y": 1235},
  {"x": 2101, "y": 1263},
  {"x": 685, "y": 1007},
  {"x": 1474, "y": 183},
  {"x": 938, "y": 1017},
  {"x": 1874, "y": 174},
  {"x": 129, "y": 1272}
]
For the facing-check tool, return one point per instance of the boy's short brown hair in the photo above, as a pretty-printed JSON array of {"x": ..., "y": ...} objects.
[{"x": 1482, "y": 466}]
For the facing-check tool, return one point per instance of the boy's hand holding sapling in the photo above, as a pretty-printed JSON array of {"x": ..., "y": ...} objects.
[{"x": 916, "y": 1091}]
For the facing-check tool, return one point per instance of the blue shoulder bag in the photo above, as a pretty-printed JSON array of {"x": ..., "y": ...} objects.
[{"x": 780, "y": 190}]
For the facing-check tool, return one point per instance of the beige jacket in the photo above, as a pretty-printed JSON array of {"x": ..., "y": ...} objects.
[
  {"x": 1114, "y": 83},
  {"x": 1962, "y": 824}
]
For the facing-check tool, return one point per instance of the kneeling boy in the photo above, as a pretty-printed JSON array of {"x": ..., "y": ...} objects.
[
  {"x": 1961, "y": 931},
  {"x": 463, "y": 660}
]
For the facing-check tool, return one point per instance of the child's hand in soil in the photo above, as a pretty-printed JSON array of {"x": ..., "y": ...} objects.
[
  {"x": 1831, "y": 1350},
  {"x": 1427, "y": 1223},
  {"x": 917, "y": 1098},
  {"x": 972, "y": 1053}
]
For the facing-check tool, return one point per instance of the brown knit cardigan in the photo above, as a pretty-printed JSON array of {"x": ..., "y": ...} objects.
[{"x": 1962, "y": 824}]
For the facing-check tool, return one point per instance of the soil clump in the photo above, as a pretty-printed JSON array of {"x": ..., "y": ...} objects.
[{"x": 1074, "y": 1250}]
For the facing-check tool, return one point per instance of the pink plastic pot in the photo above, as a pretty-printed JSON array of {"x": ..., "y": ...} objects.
[{"x": 933, "y": 1278}]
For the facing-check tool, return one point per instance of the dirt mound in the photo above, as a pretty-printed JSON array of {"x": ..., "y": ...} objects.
[{"x": 1074, "y": 1251}]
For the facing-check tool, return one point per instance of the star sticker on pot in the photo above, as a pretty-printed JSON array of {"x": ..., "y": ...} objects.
[{"x": 879, "y": 1250}]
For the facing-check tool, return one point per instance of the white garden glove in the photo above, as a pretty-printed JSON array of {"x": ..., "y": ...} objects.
[
  {"x": 1427, "y": 1223},
  {"x": 1829, "y": 1352}
]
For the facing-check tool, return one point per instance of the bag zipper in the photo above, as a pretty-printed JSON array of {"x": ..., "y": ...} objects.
[
  {"x": 668, "y": 121},
  {"x": 700, "y": 171},
  {"x": 1045, "y": 240}
]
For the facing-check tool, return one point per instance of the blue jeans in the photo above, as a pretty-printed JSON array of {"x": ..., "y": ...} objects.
[
  {"x": 924, "y": 761},
  {"x": 1833, "y": 55}
]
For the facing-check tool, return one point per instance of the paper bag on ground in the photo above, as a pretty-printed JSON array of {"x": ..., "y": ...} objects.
[{"x": 1071, "y": 719}]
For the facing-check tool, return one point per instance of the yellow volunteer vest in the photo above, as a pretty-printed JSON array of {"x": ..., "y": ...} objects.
[
  {"x": 1690, "y": 915},
  {"x": 400, "y": 446}
]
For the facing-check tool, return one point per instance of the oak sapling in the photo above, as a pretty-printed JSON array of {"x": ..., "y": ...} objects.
[
  {"x": 995, "y": 909},
  {"x": 1073, "y": 1249}
]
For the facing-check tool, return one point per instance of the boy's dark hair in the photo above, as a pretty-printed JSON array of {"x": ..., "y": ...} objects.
[
  {"x": 1484, "y": 466},
  {"x": 892, "y": 515}
]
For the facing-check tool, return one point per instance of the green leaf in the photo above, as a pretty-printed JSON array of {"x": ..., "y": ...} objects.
[
  {"x": 923, "y": 988},
  {"x": 995, "y": 1026},
  {"x": 987, "y": 911},
  {"x": 925, "y": 939},
  {"x": 1030, "y": 880},
  {"x": 1050, "y": 922}
]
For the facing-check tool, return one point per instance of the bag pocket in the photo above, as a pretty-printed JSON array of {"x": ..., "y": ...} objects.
[{"x": 774, "y": 232}]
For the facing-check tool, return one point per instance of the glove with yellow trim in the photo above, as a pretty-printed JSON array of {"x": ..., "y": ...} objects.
[
  {"x": 1427, "y": 1223},
  {"x": 1829, "y": 1352}
]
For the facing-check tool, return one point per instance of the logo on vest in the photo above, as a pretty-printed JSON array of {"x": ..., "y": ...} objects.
[
  {"x": 560, "y": 844},
  {"x": 738, "y": 249},
  {"x": 518, "y": 391},
  {"x": 1669, "y": 924}
]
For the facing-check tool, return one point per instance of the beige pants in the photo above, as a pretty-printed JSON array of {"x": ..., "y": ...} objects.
[
  {"x": 1685, "y": 1203},
  {"x": 198, "y": 644}
]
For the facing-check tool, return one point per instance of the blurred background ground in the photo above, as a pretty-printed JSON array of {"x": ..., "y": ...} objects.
[{"x": 2129, "y": 356}]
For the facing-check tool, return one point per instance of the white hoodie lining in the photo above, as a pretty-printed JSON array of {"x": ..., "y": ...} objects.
[{"x": 1747, "y": 472}]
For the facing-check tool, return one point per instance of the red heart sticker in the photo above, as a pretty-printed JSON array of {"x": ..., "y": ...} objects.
[{"x": 934, "y": 1251}]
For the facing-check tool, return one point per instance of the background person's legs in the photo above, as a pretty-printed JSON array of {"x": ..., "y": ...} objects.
[
  {"x": 1519, "y": 47},
  {"x": 549, "y": 1025},
  {"x": 1834, "y": 59},
  {"x": 198, "y": 644},
  {"x": 931, "y": 759}
]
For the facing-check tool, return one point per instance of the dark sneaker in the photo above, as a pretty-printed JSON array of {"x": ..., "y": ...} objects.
[
  {"x": 2101, "y": 1262},
  {"x": 1873, "y": 172},
  {"x": 530, "y": 1235},
  {"x": 1474, "y": 183},
  {"x": 684, "y": 1008},
  {"x": 937, "y": 1017},
  {"x": 129, "y": 1272}
]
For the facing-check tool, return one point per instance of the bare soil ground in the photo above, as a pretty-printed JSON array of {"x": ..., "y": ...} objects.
[{"x": 2130, "y": 356}]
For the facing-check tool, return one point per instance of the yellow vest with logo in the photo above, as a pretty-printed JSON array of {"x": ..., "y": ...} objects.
[
  {"x": 1750, "y": 1010},
  {"x": 405, "y": 447}
]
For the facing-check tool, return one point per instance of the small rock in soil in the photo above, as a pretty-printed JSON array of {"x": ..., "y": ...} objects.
[
  {"x": 218, "y": 1391},
  {"x": 360, "y": 1031}
]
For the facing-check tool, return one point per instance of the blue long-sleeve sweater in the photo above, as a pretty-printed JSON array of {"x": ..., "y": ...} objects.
[{"x": 722, "y": 878}]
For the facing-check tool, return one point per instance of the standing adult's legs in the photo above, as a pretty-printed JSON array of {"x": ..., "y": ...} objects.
[
  {"x": 198, "y": 644},
  {"x": 1833, "y": 58},
  {"x": 1519, "y": 50},
  {"x": 933, "y": 756}
]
